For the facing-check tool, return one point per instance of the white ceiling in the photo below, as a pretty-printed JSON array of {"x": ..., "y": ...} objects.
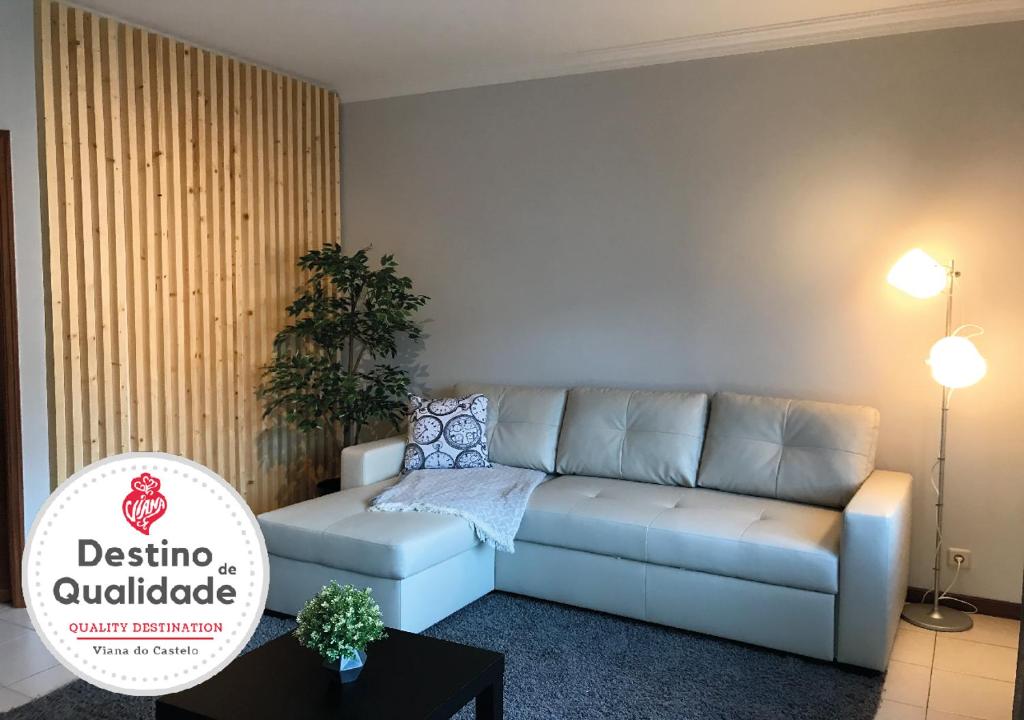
[{"x": 381, "y": 48}]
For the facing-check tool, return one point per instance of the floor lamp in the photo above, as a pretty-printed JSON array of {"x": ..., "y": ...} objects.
[{"x": 955, "y": 363}]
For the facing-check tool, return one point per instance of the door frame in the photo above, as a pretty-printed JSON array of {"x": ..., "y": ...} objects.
[{"x": 11, "y": 490}]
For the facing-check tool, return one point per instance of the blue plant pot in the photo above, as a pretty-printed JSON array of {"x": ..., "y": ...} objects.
[{"x": 348, "y": 669}]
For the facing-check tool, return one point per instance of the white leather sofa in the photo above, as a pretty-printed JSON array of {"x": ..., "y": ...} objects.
[{"x": 757, "y": 519}]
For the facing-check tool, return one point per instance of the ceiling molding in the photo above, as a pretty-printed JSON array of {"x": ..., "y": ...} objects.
[
  {"x": 889, "y": 21},
  {"x": 930, "y": 15}
]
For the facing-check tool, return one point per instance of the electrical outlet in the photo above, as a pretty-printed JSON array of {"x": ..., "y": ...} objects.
[{"x": 953, "y": 553}]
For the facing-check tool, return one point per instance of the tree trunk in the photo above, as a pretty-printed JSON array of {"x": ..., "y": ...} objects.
[{"x": 350, "y": 435}]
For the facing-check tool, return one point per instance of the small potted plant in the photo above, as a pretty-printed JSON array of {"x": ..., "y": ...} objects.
[{"x": 338, "y": 623}]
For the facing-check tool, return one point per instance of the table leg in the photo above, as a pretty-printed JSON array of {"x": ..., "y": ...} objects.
[{"x": 490, "y": 703}]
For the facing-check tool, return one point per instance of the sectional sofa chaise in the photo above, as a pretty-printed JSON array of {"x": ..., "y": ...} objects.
[{"x": 758, "y": 519}]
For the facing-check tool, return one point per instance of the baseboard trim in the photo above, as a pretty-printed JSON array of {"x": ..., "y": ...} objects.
[{"x": 986, "y": 606}]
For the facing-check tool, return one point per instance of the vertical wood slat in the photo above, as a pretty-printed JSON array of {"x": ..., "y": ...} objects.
[
  {"x": 164, "y": 332},
  {"x": 265, "y": 190},
  {"x": 240, "y": 247},
  {"x": 289, "y": 137},
  {"x": 122, "y": 242},
  {"x": 214, "y": 201},
  {"x": 104, "y": 218},
  {"x": 78, "y": 437},
  {"x": 49, "y": 39},
  {"x": 246, "y": 382},
  {"x": 181, "y": 187},
  {"x": 133, "y": 154},
  {"x": 277, "y": 239},
  {"x": 178, "y": 291},
  {"x": 154, "y": 372},
  {"x": 193, "y": 354},
  {"x": 230, "y": 392},
  {"x": 204, "y": 250},
  {"x": 90, "y": 318}
]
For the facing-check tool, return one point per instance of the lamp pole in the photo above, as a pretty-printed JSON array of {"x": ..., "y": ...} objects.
[
  {"x": 942, "y": 454},
  {"x": 934, "y": 616}
]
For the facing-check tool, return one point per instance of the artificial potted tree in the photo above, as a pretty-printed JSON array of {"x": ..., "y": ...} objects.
[
  {"x": 338, "y": 623},
  {"x": 330, "y": 368}
]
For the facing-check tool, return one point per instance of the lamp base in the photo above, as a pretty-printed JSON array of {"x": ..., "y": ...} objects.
[{"x": 944, "y": 620}]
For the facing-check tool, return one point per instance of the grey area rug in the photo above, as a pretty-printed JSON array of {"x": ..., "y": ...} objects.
[
  {"x": 79, "y": 699},
  {"x": 564, "y": 662}
]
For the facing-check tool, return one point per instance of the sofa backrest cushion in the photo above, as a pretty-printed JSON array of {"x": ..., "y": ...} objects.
[
  {"x": 522, "y": 423},
  {"x": 809, "y": 452},
  {"x": 653, "y": 437}
]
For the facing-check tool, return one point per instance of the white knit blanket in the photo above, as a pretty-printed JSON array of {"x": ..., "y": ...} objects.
[{"x": 492, "y": 499}]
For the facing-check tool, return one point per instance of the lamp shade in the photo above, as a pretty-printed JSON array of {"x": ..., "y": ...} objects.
[
  {"x": 918, "y": 274},
  {"x": 956, "y": 362}
]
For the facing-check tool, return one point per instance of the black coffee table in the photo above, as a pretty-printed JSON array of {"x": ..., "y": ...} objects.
[{"x": 406, "y": 676}]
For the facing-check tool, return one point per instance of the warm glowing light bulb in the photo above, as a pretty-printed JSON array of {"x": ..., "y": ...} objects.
[
  {"x": 918, "y": 274},
  {"x": 956, "y": 363}
]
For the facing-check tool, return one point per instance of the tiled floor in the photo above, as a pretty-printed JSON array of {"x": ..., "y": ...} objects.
[
  {"x": 27, "y": 669},
  {"x": 932, "y": 676},
  {"x": 952, "y": 676}
]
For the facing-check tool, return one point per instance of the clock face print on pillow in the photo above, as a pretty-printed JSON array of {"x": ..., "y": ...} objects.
[{"x": 447, "y": 433}]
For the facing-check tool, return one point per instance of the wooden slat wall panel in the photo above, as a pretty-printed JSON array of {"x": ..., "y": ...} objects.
[{"x": 181, "y": 187}]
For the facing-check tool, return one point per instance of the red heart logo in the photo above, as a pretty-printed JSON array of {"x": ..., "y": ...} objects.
[{"x": 144, "y": 505}]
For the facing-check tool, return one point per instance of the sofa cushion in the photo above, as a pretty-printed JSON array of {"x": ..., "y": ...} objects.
[
  {"x": 810, "y": 452},
  {"x": 522, "y": 423},
  {"x": 751, "y": 538},
  {"x": 446, "y": 433},
  {"x": 338, "y": 531},
  {"x": 650, "y": 437}
]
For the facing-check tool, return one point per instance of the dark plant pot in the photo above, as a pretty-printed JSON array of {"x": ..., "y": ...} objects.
[{"x": 348, "y": 669}]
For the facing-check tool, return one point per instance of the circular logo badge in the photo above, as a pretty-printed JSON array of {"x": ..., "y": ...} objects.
[{"x": 145, "y": 573}]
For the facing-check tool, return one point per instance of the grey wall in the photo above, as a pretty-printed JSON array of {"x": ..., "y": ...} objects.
[
  {"x": 728, "y": 224},
  {"x": 18, "y": 114}
]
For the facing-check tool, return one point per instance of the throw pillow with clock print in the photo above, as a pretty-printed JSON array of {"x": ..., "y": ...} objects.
[{"x": 447, "y": 433}]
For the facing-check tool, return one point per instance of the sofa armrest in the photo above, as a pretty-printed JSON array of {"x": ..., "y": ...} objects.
[
  {"x": 874, "y": 556},
  {"x": 371, "y": 462}
]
